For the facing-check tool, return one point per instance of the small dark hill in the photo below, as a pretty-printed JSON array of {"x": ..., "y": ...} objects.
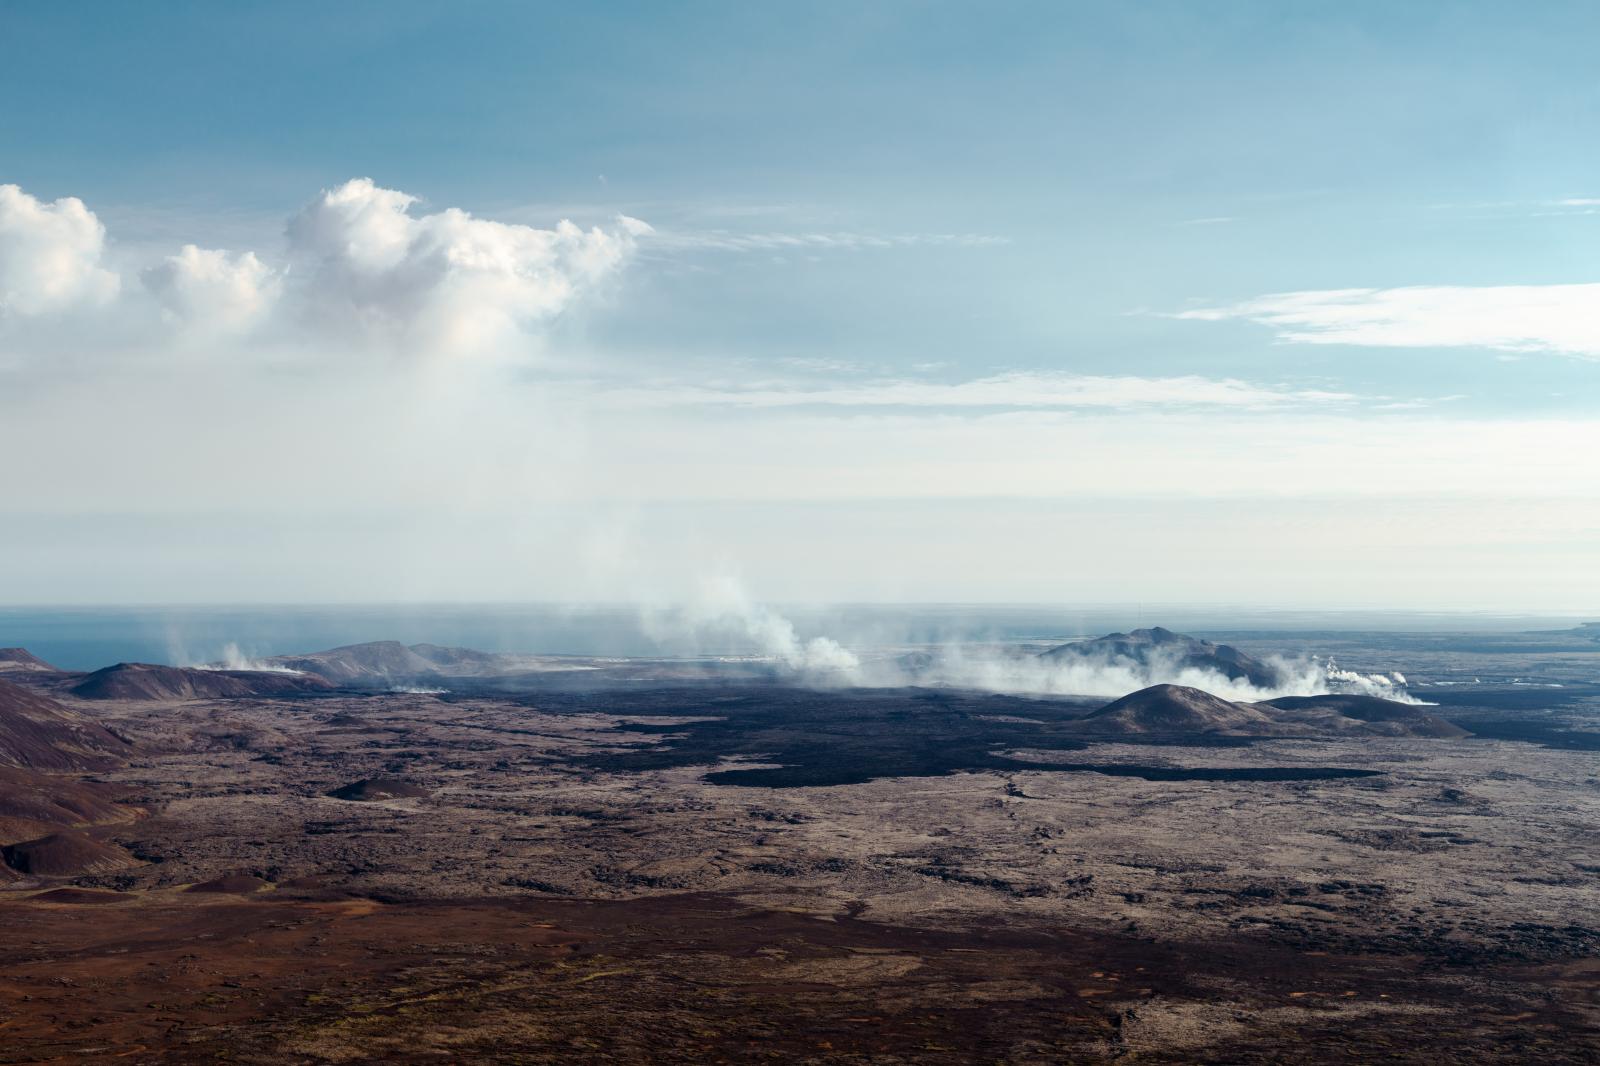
[
  {"x": 1177, "y": 709},
  {"x": 230, "y": 885},
  {"x": 379, "y": 788},
  {"x": 40, "y": 733},
  {"x": 150, "y": 681},
  {"x": 1163, "y": 652},
  {"x": 1375, "y": 715},
  {"x": 22, "y": 660},
  {"x": 66, "y": 853}
]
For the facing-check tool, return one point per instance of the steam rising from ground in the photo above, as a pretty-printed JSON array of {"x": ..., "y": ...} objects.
[
  {"x": 997, "y": 669},
  {"x": 235, "y": 659},
  {"x": 725, "y": 612},
  {"x": 724, "y": 621}
]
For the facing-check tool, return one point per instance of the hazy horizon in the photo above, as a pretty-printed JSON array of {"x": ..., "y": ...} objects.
[{"x": 86, "y": 637}]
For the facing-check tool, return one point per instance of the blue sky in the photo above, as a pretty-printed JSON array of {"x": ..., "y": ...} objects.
[{"x": 891, "y": 248}]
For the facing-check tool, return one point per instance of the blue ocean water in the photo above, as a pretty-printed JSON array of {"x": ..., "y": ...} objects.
[{"x": 86, "y": 638}]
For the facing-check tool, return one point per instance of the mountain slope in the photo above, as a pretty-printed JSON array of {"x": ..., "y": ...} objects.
[
  {"x": 150, "y": 681},
  {"x": 52, "y": 800},
  {"x": 383, "y": 661},
  {"x": 39, "y": 733},
  {"x": 21, "y": 660}
]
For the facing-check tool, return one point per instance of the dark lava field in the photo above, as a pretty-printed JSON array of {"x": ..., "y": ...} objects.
[{"x": 554, "y": 860}]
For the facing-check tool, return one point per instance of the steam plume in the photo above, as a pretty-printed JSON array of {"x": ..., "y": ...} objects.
[
  {"x": 724, "y": 610},
  {"x": 989, "y": 669},
  {"x": 235, "y": 659}
]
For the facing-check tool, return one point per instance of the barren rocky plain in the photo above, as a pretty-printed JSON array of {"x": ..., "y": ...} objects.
[{"x": 651, "y": 861}]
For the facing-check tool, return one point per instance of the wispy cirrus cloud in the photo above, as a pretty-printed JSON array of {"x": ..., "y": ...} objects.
[
  {"x": 1563, "y": 319},
  {"x": 1017, "y": 390},
  {"x": 1560, "y": 207},
  {"x": 721, "y": 240}
]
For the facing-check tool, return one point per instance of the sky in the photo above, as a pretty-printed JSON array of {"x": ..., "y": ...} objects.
[{"x": 1236, "y": 302}]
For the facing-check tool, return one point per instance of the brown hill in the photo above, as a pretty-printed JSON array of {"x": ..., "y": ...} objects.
[
  {"x": 22, "y": 660},
  {"x": 150, "y": 681},
  {"x": 38, "y": 732},
  {"x": 379, "y": 788},
  {"x": 1368, "y": 714},
  {"x": 34, "y": 805},
  {"x": 13, "y": 830},
  {"x": 379, "y": 660},
  {"x": 26, "y": 795},
  {"x": 66, "y": 853},
  {"x": 1161, "y": 652},
  {"x": 447, "y": 658},
  {"x": 1179, "y": 709},
  {"x": 387, "y": 661}
]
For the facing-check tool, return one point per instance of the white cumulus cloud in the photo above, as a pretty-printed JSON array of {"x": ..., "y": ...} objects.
[
  {"x": 1512, "y": 318},
  {"x": 50, "y": 255},
  {"x": 446, "y": 281},
  {"x": 213, "y": 289}
]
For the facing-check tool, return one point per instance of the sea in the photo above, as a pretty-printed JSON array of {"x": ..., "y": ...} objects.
[{"x": 89, "y": 637}]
